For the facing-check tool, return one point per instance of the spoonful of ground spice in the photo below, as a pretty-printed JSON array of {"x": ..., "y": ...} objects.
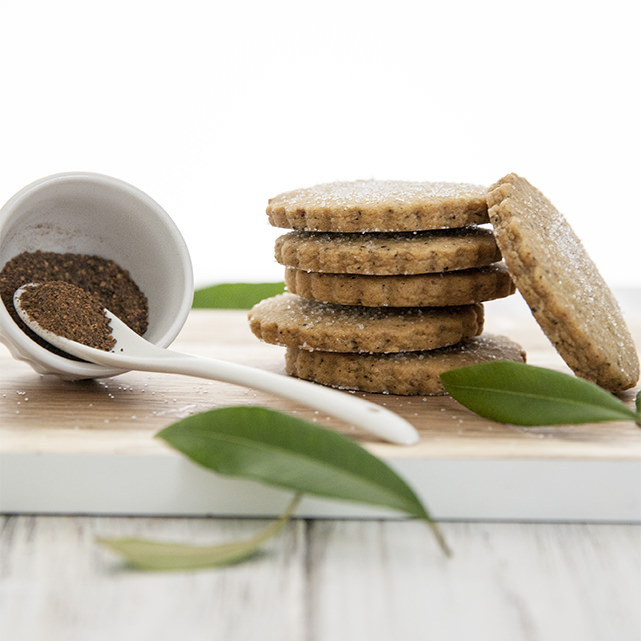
[
  {"x": 68, "y": 311},
  {"x": 54, "y": 311}
]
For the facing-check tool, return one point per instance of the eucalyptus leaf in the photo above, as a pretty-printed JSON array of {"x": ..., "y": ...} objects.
[
  {"x": 235, "y": 295},
  {"x": 284, "y": 451},
  {"x": 153, "y": 555},
  {"x": 527, "y": 395}
]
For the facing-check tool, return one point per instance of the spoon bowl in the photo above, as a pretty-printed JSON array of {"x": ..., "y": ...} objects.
[{"x": 133, "y": 352}]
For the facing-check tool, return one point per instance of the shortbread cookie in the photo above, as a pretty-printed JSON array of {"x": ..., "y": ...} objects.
[
  {"x": 290, "y": 320},
  {"x": 386, "y": 254},
  {"x": 379, "y": 205},
  {"x": 565, "y": 291},
  {"x": 417, "y": 290},
  {"x": 407, "y": 373}
]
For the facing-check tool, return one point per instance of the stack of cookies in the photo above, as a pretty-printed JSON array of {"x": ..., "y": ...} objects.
[{"x": 386, "y": 283}]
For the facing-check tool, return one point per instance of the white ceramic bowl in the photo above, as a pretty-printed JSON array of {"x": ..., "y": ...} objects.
[{"x": 89, "y": 213}]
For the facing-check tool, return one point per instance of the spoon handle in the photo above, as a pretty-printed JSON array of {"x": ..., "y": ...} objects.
[{"x": 356, "y": 411}]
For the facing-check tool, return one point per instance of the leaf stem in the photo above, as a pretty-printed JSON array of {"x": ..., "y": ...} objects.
[{"x": 440, "y": 539}]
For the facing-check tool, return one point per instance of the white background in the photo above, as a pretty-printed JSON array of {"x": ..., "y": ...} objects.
[{"x": 213, "y": 107}]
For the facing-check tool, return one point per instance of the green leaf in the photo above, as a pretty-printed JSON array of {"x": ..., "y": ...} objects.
[
  {"x": 153, "y": 555},
  {"x": 285, "y": 451},
  {"x": 235, "y": 295},
  {"x": 526, "y": 395}
]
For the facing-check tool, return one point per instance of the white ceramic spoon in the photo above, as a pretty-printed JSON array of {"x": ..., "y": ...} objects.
[{"x": 132, "y": 352}]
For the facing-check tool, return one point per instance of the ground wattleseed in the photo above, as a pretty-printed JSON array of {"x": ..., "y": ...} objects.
[
  {"x": 106, "y": 281},
  {"x": 70, "y": 312}
]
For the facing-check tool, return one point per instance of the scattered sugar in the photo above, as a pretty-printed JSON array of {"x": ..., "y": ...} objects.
[{"x": 373, "y": 192}]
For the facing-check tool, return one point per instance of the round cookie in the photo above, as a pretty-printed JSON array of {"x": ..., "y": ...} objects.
[
  {"x": 379, "y": 205},
  {"x": 384, "y": 254},
  {"x": 293, "y": 321},
  {"x": 565, "y": 291},
  {"x": 408, "y": 373},
  {"x": 416, "y": 290}
]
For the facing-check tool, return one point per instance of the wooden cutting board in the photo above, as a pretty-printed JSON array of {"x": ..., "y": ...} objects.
[{"x": 88, "y": 447}]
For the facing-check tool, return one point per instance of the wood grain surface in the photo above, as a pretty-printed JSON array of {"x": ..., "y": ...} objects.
[
  {"x": 324, "y": 581},
  {"x": 121, "y": 414}
]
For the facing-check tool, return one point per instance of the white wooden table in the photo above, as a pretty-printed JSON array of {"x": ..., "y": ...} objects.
[
  {"x": 320, "y": 579},
  {"x": 325, "y": 580}
]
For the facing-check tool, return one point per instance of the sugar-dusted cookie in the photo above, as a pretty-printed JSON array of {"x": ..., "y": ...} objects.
[
  {"x": 379, "y": 205},
  {"x": 384, "y": 254},
  {"x": 406, "y": 373},
  {"x": 564, "y": 289},
  {"x": 416, "y": 290},
  {"x": 290, "y": 320}
]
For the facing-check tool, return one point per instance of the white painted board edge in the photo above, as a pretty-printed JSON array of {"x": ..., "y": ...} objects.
[{"x": 452, "y": 489}]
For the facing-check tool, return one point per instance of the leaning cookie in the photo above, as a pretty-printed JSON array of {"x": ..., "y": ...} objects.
[
  {"x": 409, "y": 373},
  {"x": 565, "y": 291},
  {"x": 386, "y": 254},
  {"x": 416, "y": 290},
  {"x": 380, "y": 206},
  {"x": 293, "y": 321}
]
